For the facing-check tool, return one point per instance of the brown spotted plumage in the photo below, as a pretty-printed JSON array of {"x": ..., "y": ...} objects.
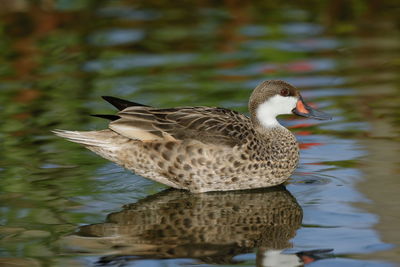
[
  {"x": 213, "y": 227},
  {"x": 204, "y": 148}
]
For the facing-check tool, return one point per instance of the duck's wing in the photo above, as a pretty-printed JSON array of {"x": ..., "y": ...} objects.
[{"x": 206, "y": 124}]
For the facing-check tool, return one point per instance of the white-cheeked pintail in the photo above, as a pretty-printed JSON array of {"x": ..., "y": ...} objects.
[{"x": 204, "y": 148}]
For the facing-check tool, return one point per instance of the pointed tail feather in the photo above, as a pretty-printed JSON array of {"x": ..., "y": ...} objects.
[
  {"x": 87, "y": 138},
  {"x": 105, "y": 143}
]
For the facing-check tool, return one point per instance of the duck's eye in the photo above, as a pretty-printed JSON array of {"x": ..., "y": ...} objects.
[{"x": 284, "y": 92}]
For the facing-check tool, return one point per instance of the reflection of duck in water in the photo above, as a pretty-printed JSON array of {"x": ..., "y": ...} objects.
[
  {"x": 202, "y": 148},
  {"x": 212, "y": 227}
]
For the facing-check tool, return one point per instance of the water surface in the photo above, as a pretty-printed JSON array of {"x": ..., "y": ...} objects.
[{"x": 61, "y": 205}]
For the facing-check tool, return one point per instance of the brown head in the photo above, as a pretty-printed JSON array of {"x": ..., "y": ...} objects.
[{"x": 275, "y": 97}]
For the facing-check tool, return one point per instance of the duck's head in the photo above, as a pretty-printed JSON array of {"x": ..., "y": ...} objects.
[{"x": 275, "y": 97}]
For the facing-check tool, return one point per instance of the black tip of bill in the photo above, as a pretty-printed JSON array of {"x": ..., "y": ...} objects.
[{"x": 313, "y": 114}]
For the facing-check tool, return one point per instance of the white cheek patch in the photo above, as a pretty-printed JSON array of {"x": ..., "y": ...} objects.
[{"x": 277, "y": 105}]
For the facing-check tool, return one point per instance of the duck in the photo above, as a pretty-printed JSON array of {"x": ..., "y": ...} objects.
[{"x": 201, "y": 148}]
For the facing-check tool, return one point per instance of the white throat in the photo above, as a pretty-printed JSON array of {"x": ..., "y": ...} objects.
[{"x": 277, "y": 105}]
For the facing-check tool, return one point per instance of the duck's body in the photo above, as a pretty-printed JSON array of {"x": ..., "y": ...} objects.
[{"x": 202, "y": 148}]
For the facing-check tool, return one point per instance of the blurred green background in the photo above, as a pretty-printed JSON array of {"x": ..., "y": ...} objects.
[{"x": 58, "y": 57}]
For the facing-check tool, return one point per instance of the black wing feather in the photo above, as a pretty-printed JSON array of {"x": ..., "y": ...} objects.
[
  {"x": 121, "y": 104},
  {"x": 106, "y": 116}
]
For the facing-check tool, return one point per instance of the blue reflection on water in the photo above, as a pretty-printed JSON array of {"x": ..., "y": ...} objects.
[
  {"x": 135, "y": 61},
  {"x": 116, "y": 37}
]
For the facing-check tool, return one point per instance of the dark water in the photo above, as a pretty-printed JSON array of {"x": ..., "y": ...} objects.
[{"x": 61, "y": 205}]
